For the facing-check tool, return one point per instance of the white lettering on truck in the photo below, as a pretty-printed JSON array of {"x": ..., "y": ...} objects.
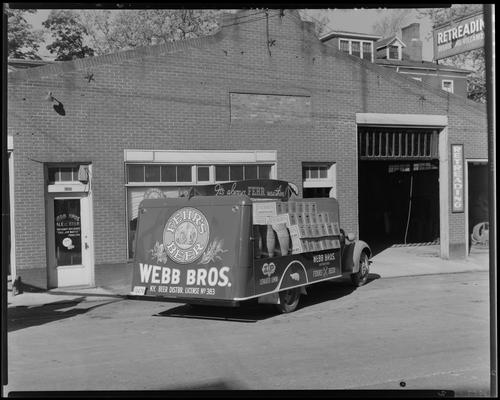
[{"x": 199, "y": 277}]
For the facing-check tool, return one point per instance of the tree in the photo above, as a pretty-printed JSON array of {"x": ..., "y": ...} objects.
[
  {"x": 23, "y": 42},
  {"x": 392, "y": 22},
  {"x": 126, "y": 29},
  {"x": 99, "y": 25},
  {"x": 320, "y": 22},
  {"x": 69, "y": 34}
]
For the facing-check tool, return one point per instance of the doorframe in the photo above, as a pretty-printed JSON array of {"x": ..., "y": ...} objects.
[
  {"x": 12, "y": 208},
  {"x": 74, "y": 189},
  {"x": 439, "y": 122},
  {"x": 51, "y": 233},
  {"x": 466, "y": 195}
]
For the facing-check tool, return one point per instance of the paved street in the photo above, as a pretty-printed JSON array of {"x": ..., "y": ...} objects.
[{"x": 420, "y": 332}]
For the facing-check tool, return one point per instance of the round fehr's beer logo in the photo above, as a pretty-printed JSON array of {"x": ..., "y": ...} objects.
[{"x": 186, "y": 235}]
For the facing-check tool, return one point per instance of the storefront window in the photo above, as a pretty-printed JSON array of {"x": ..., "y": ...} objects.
[
  {"x": 251, "y": 172},
  {"x": 136, "y": 173},
  {"x": 221, "y": 173},
  {"x": 168, "y": 173},
  {"x": 146, "y": 181},
  {"x": 152, "y": 173},
  {"x": 264, "y": 172},
  {"x": 236, "y": 172},
  {"x": 184, "y": 173},
  {"x": 204, "y": 174}
]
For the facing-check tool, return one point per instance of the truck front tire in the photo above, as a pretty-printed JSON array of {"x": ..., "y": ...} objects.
[{"x": 359, "y": 278}]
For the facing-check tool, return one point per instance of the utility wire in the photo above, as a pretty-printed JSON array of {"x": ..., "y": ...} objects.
[{"x": 252, "y": 20}]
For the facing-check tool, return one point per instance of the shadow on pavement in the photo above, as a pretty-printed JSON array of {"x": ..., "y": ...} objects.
[
  {"x": 21, "y": 317},
  {"x": 252, "y": 311},
  {"x": 330, "y": 291},
  {"x": 249, "y": 311}
]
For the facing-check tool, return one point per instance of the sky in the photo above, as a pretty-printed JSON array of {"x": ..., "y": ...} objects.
[{"x": 352, "y": 20}]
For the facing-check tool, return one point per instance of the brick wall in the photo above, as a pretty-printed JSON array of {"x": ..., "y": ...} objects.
[{"x": 177, "y": 97}]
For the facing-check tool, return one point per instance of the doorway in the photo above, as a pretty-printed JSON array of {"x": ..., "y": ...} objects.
[
  {"x": 477, "y": 201},
  {"x": 69, "y": 240},
  {"x": 398, "y": 202}
]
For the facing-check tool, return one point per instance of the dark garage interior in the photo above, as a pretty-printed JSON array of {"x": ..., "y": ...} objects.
[
  {"x": 478, "y": 202},
  {"x": 398, "y": 202}
]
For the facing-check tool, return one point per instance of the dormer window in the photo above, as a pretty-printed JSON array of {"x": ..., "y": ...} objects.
[
  {"x": 368, "y": 50},
  {"x": 356, "y": 49},
  {"x": 344, "y": 46},
  {"x": 359, "y": 48},
  {"x": 390, "y": 48},
  {"x": 394, "y": 53}
]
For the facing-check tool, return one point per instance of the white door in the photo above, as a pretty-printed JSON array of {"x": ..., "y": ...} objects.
[{"x": 69, "y": 240}]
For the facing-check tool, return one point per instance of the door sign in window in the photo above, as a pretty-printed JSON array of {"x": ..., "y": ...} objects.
[{"x": 68, "y": 231}]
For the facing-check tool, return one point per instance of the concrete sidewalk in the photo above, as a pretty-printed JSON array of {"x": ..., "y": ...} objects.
[{"x": 395, "y": 261}]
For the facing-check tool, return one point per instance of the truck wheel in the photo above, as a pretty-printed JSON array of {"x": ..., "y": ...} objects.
[
  {"x": 359, "y": 278},
  {"x": 289, "y": 300}
]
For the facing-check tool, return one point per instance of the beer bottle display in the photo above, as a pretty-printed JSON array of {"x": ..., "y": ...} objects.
[
  {"x": 270, "y": 240},
  {"x": 299, "y": 226}
]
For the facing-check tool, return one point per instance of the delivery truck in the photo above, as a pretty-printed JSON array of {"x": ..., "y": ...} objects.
[{"x": 229, "y": 243}]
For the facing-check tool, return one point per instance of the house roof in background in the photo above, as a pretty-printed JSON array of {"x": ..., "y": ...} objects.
[
  {"x": 420, "y": 65},
  {"x": 351, "y": 35},
  {"x": 387, "y": 41}
]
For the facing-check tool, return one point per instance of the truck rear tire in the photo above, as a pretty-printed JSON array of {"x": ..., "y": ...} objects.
[
  {"x": 359, "y": 278},
  {"x": 289, "y": 300}
]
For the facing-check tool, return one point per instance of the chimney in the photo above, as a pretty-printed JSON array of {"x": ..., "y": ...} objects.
[{"x": 410, "y": 35}]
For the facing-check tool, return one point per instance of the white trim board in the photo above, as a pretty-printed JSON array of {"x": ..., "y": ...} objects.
[
  {"x": 201, "y": 156},
  {"x": 401, "y": 119}
]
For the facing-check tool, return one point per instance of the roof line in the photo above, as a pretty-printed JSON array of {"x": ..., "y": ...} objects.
[
  {"x": 390, "y": 40},
  {"x": 82, "y": 63},
  {"x": 392, "y": 74},
  {"x": 457, "y": 70}
]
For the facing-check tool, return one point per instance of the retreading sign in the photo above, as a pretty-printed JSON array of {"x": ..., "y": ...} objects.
[
  {"x": 458, "y": 36},
  {"x": 457, "y": 159}
]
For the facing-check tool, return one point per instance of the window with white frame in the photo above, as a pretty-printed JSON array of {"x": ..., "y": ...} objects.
[
  {"x": 393, "y": 52},
  {"x": 358, "y": 48},
  {"x": 319, "y": 179},
  {"x": 344, "y": 45},
  {"x": 61, "y": 174},
  {"x": 367, "y": 50},
  {"x": 148, "y": 174},
  {"x": 447, "y": 85}
]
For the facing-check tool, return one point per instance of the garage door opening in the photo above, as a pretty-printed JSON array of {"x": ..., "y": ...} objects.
[
  {"x": 478, "y": 210},
  {"x": 398, "y": 186}
]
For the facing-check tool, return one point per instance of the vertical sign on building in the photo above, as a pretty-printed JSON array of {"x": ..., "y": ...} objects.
[{"x": 457, "y": 159}]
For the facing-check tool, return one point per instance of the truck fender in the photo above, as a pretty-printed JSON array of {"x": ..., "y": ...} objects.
[{"x": 351, "y": 255}]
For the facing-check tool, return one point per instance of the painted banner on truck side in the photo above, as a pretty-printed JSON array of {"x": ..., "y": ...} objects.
[
  {"x": 278, "y": 273},
  {"x": 187, "y": 252}
]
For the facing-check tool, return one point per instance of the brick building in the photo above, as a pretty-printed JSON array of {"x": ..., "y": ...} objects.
[{"x": 263, "y": 97}]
